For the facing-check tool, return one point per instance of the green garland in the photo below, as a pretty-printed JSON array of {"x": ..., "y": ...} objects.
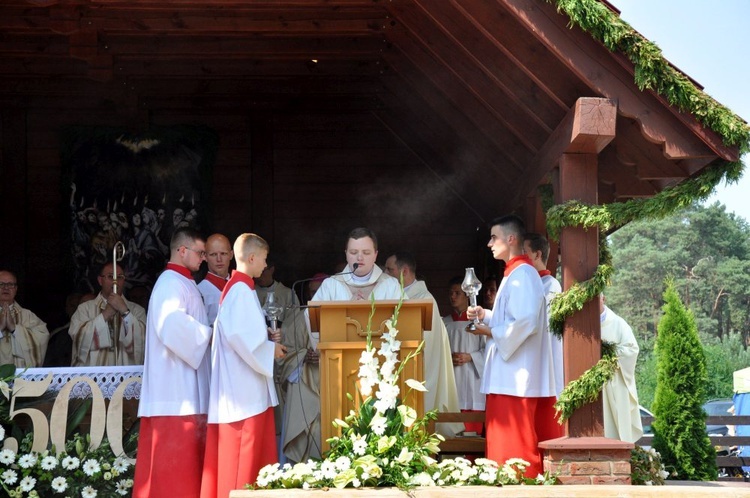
[
  {"x": 651, "y": 71},
  {"x": 586, "y": 388}
]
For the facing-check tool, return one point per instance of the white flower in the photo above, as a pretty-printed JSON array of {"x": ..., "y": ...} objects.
[
  {"x": 359, "y": 444},
  {"x": 49, "y": 462},
  {"x": 356, "y": 482},
  {"x": 405, "y": 456},
  {"x": 7, "y": 456},
  {"x": 107, "y": 476},
  {"x": 70, "y": 463},
  {"x": 305, "y": 485},
  {"x": 421, "y": 479},
  {"x": 91, "y": 467},
  {"x": 328, "y": 469},
  {"x": 27, "y": 461},
  {"x": 122, "y": 488},
  {"x": 663, "y": 474},
  {"x": 59, "y": 484},
  {"x": 88, "y": 491},
  {"x": 416, "y": 385},
  {"x": 378, "y": 423},
  {"x": 9, "y": 477},
  {"x": 343, "y": 463},
  {"x": 27, "y": 484},
  {"x": 121, "y": 464},
  {"x": 2, "y": 431},
  {"x": 649, "y": 483}
]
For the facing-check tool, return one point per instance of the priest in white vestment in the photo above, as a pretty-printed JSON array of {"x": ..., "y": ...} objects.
[
  {"x": 439, "y": 377},
  {"x": 291, "y": 323},
  {"x": 622, "y": 416},
  {"x": 360, "y": 279},
  {"x": 24, "y": 336},
  {"x": 108, "y": 330},
  {"x": 219, "y": 256},
  {"x": 467, "y": 351}
]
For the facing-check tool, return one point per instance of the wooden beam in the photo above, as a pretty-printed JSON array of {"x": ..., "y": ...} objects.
[
  {"x": 597, "y": 67},
  {"x": 587, "y": 128},
  {"x": 580, "y": 257}
]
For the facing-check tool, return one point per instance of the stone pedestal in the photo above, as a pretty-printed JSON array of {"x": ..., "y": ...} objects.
[{"x": 588, "y": 460}]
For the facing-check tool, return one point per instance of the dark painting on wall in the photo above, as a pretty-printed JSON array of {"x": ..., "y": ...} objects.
[{"x": 134, "y": 189}]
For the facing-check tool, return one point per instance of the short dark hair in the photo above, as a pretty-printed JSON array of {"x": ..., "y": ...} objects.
[
  {"x": 183, "y": 236},
  {"x": 361, "y": 232},
  {"x": 538, "y": 242},
  {"x": 405, "y": 258},
  {"x": 457, "y": 280},
  {"x": 510, "y": 223}
]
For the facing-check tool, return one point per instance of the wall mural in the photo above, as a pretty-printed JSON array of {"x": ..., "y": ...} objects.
[{"x": 135, "y": 189}]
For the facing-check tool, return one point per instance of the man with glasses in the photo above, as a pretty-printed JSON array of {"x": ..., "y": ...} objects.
[
  {"x": 219, "y": 256},
  {"x": 24, "y": 336},
  {"x": 174, "y": 395},
  {"x": 109, "y": 330}
]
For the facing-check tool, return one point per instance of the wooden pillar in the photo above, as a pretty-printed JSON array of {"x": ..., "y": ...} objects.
[{"x": 580, "y": 257}]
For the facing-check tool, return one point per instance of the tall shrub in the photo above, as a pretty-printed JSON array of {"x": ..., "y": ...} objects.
[{"x": 681, "y": 379}]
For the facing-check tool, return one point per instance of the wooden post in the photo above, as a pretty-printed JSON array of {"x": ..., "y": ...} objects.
[{"x": 580, "y": 257}]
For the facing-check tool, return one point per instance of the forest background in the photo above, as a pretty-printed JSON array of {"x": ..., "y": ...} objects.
[{"x": 706, "y": 250}]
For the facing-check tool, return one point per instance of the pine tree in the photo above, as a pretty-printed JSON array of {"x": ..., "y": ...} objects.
[{"x": 679, "y": 420}]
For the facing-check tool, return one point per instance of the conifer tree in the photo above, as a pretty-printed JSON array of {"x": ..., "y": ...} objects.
[{"x": 679, "y": 420}]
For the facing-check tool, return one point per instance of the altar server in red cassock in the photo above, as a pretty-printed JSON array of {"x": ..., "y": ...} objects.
[
  {"x": 241, "y": 432},
  {"x": 519, "y": 373},
  {"x": 218, "y": 256},
  {"x": 174, "y": 394}
]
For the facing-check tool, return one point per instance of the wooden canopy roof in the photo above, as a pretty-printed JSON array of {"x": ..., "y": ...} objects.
[{"x": 475, "y": 88}]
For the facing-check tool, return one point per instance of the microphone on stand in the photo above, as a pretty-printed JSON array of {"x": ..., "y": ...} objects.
[{"x": 294, "y": 293}]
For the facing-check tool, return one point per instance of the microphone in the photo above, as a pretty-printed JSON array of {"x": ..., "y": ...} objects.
[{"x": 294, "y": 293}]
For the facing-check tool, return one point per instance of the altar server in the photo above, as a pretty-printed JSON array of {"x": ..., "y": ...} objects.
[
  {"x": 174, "y": 394},
  {"x": 519, "y": 374},
  {"x": 241, "y": 431},
  {"x": 219, "y": 255},
  {"x": 467, "y": 354}
]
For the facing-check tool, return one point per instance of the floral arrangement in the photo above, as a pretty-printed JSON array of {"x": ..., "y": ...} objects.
[
  {"x": 646, "y": 467},
  {"x": 77, "y": 471},
  {"x": 384, "y": 443}
]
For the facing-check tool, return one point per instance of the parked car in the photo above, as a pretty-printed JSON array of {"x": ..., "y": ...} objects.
[
  {"x": 718, "y": 408},
  {"x": 647, "y": 429}
]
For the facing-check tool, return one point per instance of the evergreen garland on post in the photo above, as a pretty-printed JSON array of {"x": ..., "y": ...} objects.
[
  {"x": 651, "y": 71},
  {"x": 679, "y": 420}
]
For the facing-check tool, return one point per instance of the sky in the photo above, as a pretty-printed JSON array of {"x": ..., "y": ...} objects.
[{"x": 706, "y": 39}]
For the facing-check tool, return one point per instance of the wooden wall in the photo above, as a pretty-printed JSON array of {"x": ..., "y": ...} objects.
[{"x": 300, "y": 179}]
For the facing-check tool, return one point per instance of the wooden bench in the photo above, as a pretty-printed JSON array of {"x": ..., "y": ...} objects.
[{"x": 461, "y": 445}]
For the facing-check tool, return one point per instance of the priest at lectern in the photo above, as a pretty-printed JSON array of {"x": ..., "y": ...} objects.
[{"x": 358, "y": 281}]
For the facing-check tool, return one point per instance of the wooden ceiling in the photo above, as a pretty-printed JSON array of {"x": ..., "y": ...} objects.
[{"x": 475, "y": 88}]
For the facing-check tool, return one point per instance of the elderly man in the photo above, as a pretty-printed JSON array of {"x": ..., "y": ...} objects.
[
  {"x": 24, "y": 335},
  {"x": 219, "y": 255},
  {"x": 109, "y": 330},
  {"x": 440, "y": 379}
]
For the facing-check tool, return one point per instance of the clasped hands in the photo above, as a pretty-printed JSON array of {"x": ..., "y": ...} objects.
[{"x": 7, "y": 319}]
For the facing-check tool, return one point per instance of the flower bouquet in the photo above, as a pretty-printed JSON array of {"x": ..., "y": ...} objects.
[{"x": 384, "y": 443}]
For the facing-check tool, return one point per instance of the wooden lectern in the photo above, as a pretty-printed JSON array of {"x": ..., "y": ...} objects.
[{"x": 343, "y": 337}]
